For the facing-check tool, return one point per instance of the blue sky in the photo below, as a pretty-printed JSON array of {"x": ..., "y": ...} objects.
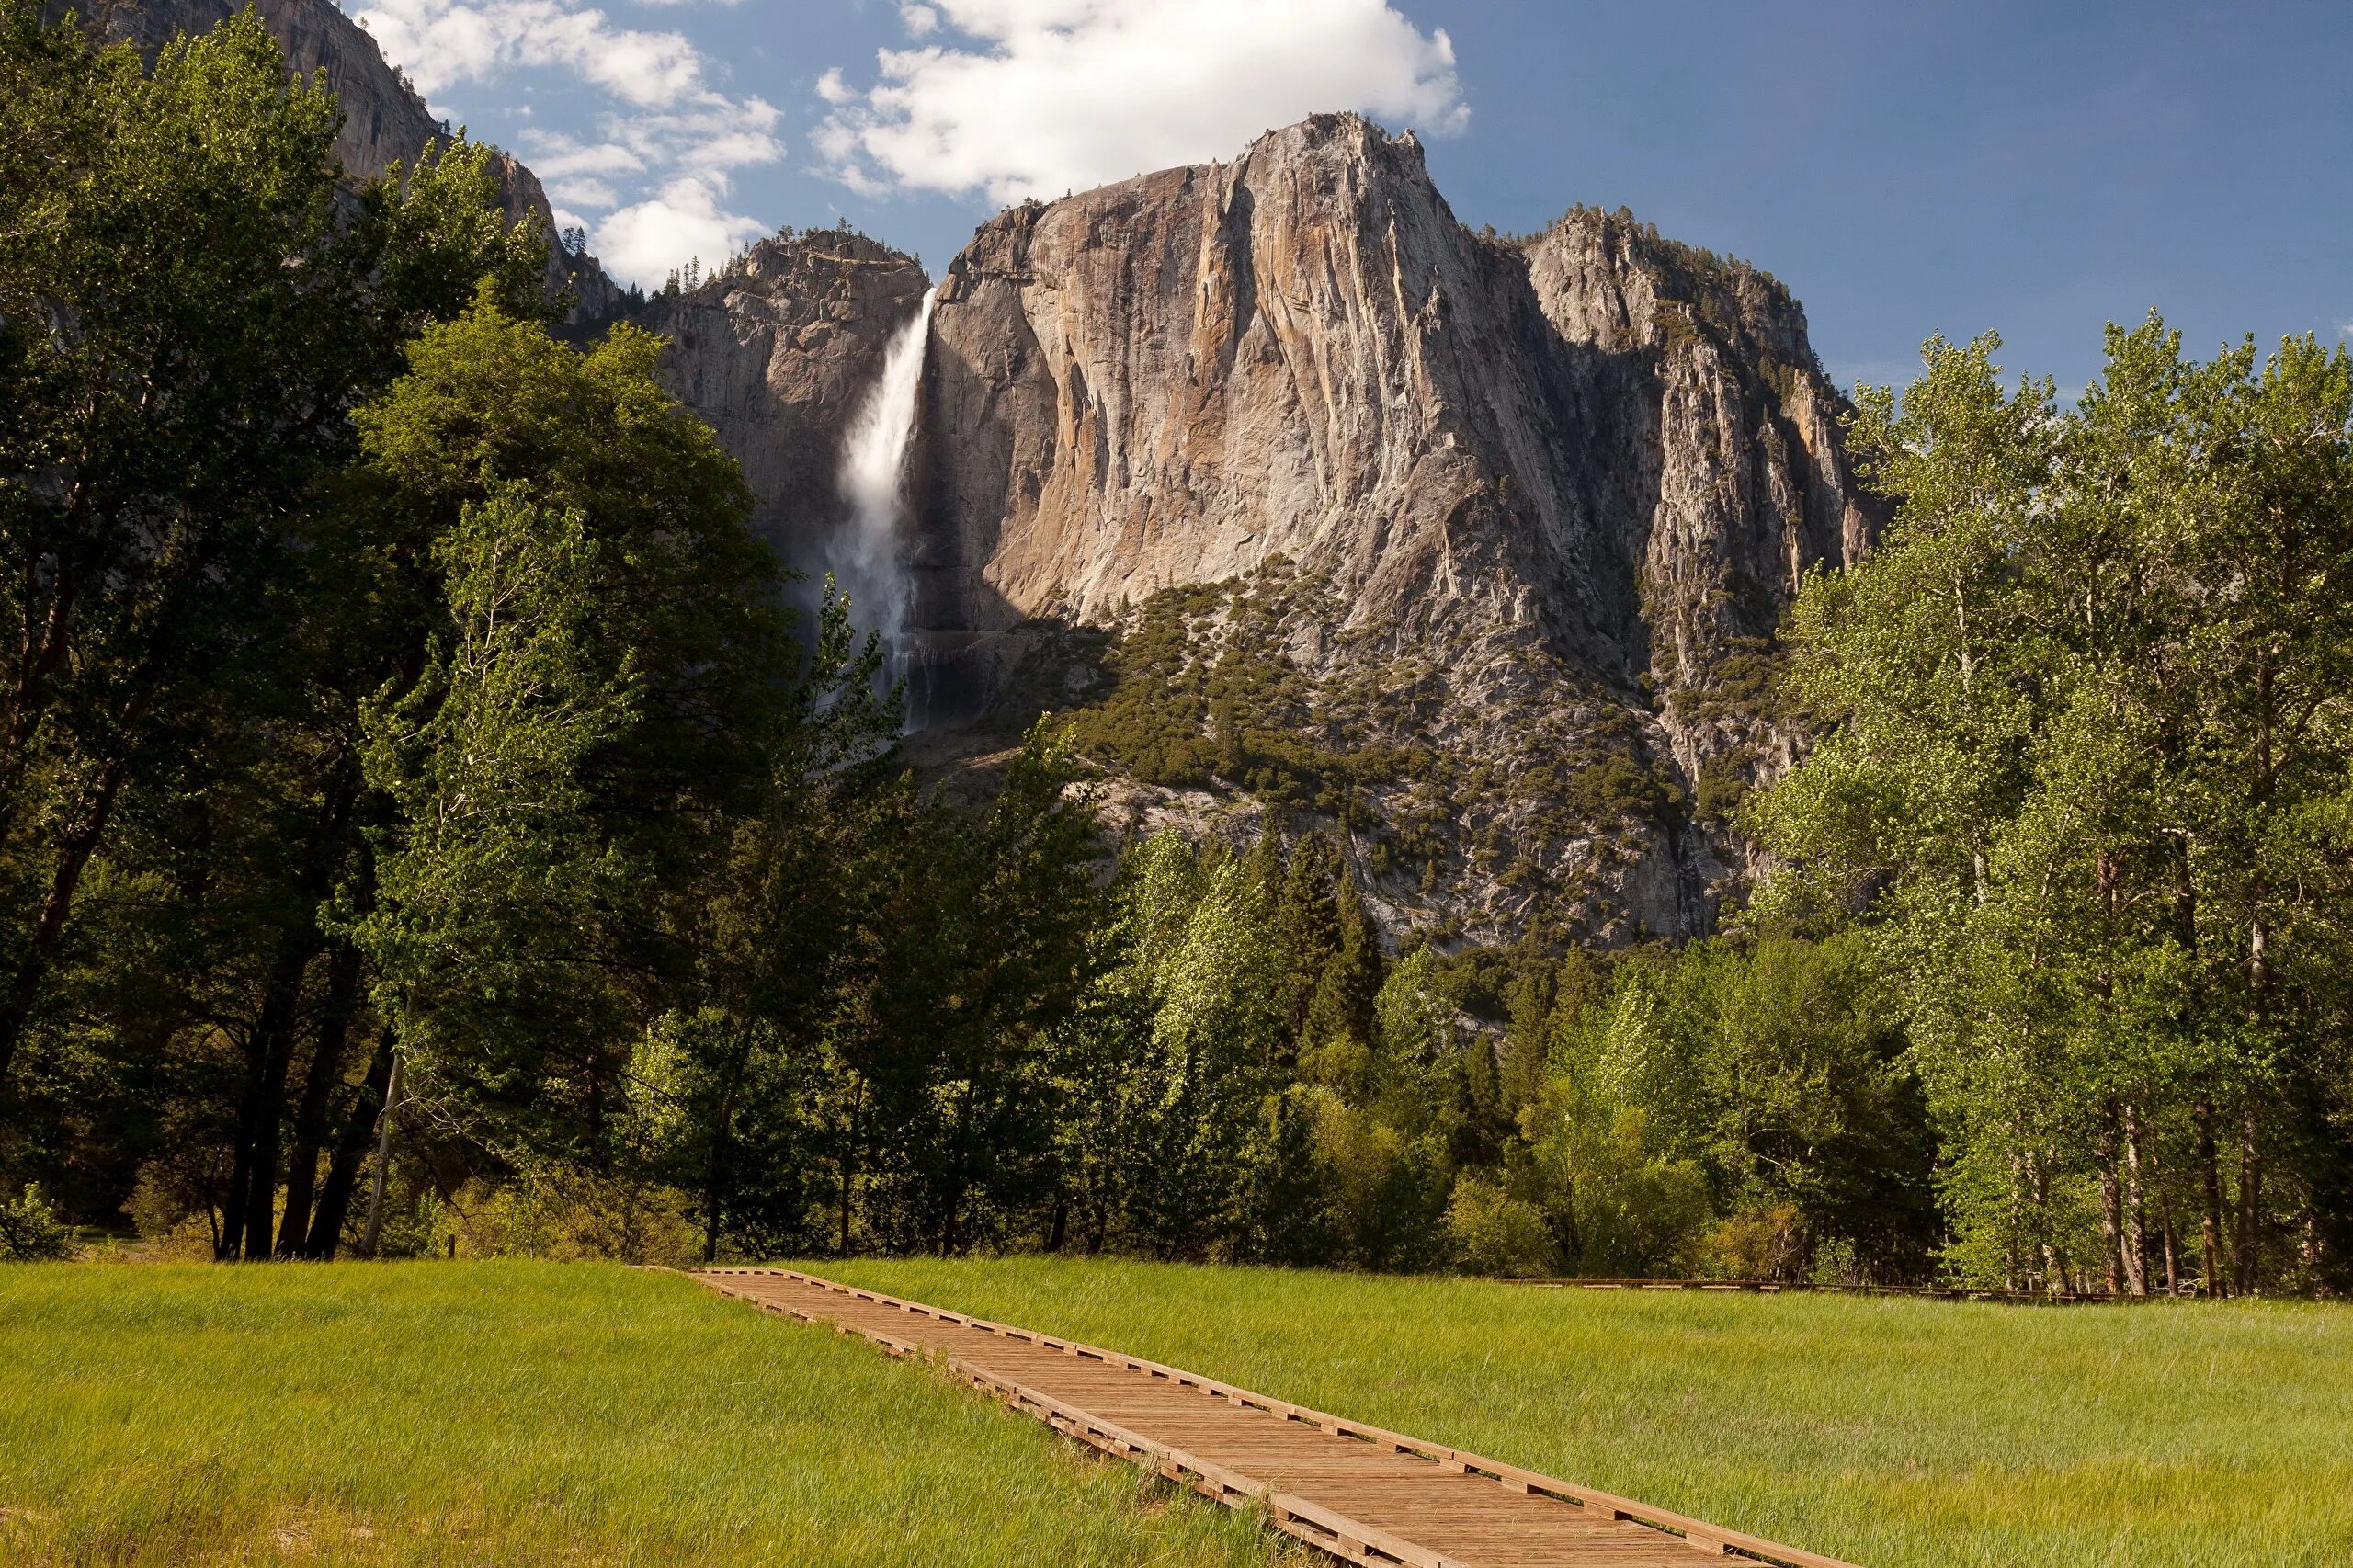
[{"x": 2034, "y": 168}]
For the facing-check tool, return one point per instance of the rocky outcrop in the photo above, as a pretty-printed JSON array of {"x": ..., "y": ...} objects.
[
  {"x": 1306, "y": 499},
  {"x": 776, "y": 352},
  {"x": 383, "y": 116},
  {"x": 1487, "y": 499}
]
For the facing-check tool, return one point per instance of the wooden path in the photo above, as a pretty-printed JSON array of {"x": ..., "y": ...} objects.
[{"x": 1359, "y": 1492}]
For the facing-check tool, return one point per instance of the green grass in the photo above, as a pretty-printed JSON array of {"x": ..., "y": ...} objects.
[
  {"x": 1897, "y": 1434},
  {"x": 519, "y": 1414}
]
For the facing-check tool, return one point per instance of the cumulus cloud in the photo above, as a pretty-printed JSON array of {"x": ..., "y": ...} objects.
[
  {"x": 1059, "y": 94},
  {"x": 684, "y": 218},
  {"x": 656, "y": 168},
  {"x": 443, "y": 42}
]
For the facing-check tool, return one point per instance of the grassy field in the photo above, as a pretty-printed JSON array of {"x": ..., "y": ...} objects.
[
  {"x": 1896, "y": 1434},
  {"x": 582, "y": 1414},
  {"x": 519, "y": 1414}
]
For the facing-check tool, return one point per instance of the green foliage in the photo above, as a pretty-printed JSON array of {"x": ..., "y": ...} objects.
[
  {"x": 595, "y": 708},
  {"x": 1203, "y": 692},
  {"x": 1498, "y": 1235},
  {"x": 2087, "y": 741},
  {"x": 185, "y": 324},
  {"x": 568, "y": 1214},
  {"x": 30, "y": 1230}
]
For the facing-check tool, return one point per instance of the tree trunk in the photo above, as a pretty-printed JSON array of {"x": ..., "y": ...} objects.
[
  {"x": 2210, "y": 1222},
  {"x": 229, "y": 1237},
  {"x": 73, "y": 852},
  {"x": 319, "y": 1084},
  {"x": 2136, "y": 1208},
  {"x": 273, "y": 1052},
  {"x": 2164, "y": 1220},
  {"x": 351, "y": 1148},
  {"x": 847, "y": 1160},
  {"x": 2038, "y": 1198},
  {"x": 383, "y": 1161},
  {"x": 2250, "y": 1237},
  {"x": 715, "y": 1181},
  {"x": 2014, "y": 1244},
  {"x": 2111, "y": 1202}
]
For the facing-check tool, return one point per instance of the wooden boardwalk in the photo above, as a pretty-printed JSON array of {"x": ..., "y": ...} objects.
[{"x": 1357, "y": 1492}]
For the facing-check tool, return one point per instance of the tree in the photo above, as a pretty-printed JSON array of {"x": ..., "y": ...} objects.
[
  {"x": 593, "y": 715},
  {"x": 174, "y": 427},
  {"x": 2085, "y": 725}
]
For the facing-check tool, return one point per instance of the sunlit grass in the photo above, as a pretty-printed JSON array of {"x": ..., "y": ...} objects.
[
  {"x": 520, "y": 1414},
  {"x": 1897, "y": 1434}
]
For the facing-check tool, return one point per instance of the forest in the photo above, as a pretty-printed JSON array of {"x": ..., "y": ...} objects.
[{"x": 426, "y": 829}]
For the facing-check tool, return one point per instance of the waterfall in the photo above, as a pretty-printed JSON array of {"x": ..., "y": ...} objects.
[{"x": 864, "y": 557}]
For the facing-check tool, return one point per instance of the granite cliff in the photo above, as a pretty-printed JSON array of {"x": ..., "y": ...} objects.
[
  {"x": 1472, "y": 545},
  {"x": 1306, "y": 498}
]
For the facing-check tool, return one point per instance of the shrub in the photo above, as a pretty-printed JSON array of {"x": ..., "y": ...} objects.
[
  {"x": 555, "y": 1213},
  {"x": 30, "y": 1230},
  {"x": 1498, "y": 1235},
  {"x": 1759, "y": 1243}
]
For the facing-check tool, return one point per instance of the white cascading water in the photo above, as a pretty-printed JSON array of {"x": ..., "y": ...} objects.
[{"x": 864, "y": 558}]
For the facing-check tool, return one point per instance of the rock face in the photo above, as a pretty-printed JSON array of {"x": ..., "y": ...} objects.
[
  {"x": 776, "y": 353},
  {"x": 1485, "y": 498},
  {"x": 383, "y": 116}
]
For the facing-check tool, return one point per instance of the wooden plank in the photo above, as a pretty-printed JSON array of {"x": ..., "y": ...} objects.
[{"x": 1359, "y": 1491}]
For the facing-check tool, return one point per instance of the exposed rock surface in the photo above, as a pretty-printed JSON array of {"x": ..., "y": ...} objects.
[
  {"x": 1490, "y": 498},
  {"x": 1307, "y": 498},
  {"x": 777, "y": 353}
]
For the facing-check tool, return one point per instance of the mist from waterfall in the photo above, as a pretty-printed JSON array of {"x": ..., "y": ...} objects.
[{"x": 865, "y": 556}]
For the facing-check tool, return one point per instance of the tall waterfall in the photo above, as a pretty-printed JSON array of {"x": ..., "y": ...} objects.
[{"x": 864, "y": 557}]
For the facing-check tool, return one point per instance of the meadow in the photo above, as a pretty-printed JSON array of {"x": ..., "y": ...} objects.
[
  {"x": 519, "y": 1413},
  {"x": 1894, "y": 1432},
  {"x": 582, "y": 1413}
]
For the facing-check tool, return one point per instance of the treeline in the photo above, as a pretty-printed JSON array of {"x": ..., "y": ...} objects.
[{"x": 1245, "y": 1076}]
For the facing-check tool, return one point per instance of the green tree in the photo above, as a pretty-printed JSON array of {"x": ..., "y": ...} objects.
[
  {"x": 2085, "y": 732},
  {"x": 594, "y": 719},
  {"x": 172, "y": 405}
]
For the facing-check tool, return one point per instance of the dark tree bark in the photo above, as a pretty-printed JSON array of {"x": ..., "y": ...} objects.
[
  {"x": 79, "y": 843},
  {"x": 721, "y": 1154},
  {"x": 270, "y": 1054},
  {"x": 350, "y": 1153},
  {"x": 2210, "y": 1220},
  {"x": 319, "y": 1084},
  {"x": 2250, "y": 1234}
]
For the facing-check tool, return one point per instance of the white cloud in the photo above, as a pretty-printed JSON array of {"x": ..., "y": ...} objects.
[
  {"x": 684, "y": 218},
  {"x": 443, "y": 42},
  {"x": 1060, "y": 94},
  {"x": 659, "y": 161}
]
